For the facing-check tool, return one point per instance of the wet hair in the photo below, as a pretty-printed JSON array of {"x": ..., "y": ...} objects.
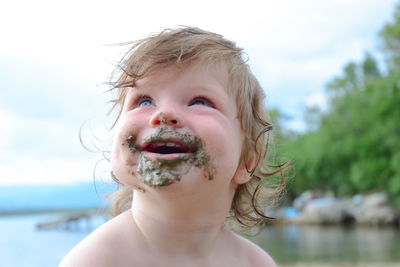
[{"x": 187, "y": 45}]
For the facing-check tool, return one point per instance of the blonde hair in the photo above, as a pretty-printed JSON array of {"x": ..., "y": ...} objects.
[{"x": 181, "y": 46}]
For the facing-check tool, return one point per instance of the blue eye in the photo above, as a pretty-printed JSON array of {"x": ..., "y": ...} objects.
[
  {"x": 202, "y": 101},
  {"x": 144, "y": 101}
]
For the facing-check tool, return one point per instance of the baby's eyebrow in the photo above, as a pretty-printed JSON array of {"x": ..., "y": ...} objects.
[
  {"x": 211, "y": 89},
  {"x": 132, "y": 92},
  {"x": 201, "y": 87},
  {"x": 146, "y": 82},
  {"x": 137, "y": 90}
]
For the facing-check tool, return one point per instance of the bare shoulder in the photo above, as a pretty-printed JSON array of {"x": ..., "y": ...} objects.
[
  {"x": 256, "y": 256},
  {"x": 101, "y": 247}
]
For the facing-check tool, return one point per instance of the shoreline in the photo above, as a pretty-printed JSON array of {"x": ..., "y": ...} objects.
[
  {"x": 21, "y": 212},
  {"x": 104, "y": 210}
]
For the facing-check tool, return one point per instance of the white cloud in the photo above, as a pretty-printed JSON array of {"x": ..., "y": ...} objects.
[
  {"x": 26, "y": 131},
  {"x": 7, "y": 123},
  {"x": 318, "y": 99},
  {"x": 28, "y": 169},
  {"x": 39, "y": 151},
  {"x": 71, "y": 33},
  {"x": 297, "y": 125}
]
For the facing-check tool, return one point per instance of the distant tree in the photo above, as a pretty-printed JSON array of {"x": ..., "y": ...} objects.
[
  {"x": 391, "y": 40},
  {"x": 347, "y": 83},
  {"x": 312, "y": 117},
  {"x": 278, "y": 120},
  {"x": 370, "y": 67}
]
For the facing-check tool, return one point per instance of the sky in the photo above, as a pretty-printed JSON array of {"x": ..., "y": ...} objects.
[{"x": 56, "y": 56}]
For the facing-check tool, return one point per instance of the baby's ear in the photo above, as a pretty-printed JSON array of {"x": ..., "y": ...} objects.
[{"x": 243, "y": 174}]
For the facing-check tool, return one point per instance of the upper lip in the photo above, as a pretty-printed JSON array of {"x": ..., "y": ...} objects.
[{"x": 166, "y": 146}]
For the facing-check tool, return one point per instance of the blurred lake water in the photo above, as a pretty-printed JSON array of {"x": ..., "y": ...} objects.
[
  {"x": 21, "y": 244},
  {"x": 330, "y": 244}
]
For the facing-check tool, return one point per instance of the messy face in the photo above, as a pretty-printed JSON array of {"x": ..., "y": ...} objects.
[
  {"x": 178, "y": 126},
  {"x": 168, "y": 154}
]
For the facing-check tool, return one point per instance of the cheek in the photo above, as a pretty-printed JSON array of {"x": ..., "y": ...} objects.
[
  {"x": 230, "y": 136},
  {"x": 225, "y": 144},
  {"x": 115, "y": 155},
  {"x": 123, "y": 161}
]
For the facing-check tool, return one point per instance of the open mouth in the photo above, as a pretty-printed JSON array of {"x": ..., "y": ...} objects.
[{"x": 166, "y": 147}]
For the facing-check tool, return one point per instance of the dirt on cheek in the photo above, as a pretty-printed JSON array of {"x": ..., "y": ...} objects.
[{"x": 130, "y": 141}]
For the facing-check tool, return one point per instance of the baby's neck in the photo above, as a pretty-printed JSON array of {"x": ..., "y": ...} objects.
[{"x": 179, "y": 230}]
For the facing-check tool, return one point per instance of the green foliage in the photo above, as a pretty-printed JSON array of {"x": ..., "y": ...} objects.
[
  {"x": 355, "y": 146},
  {"x": 281, "y": 134},
  {"x": 391, "y": 40}
]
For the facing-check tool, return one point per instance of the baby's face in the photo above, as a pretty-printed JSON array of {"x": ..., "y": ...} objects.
[{"x": 178, "y": 127}]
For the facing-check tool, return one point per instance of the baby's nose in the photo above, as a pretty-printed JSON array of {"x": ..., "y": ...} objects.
[{"x": 166, "y": 118}]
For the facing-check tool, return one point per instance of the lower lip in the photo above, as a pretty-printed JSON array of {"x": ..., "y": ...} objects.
[{"x": 172, "y": 156}]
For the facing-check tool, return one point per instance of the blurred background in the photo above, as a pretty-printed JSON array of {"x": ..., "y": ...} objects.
[{"x": 331, "y": 73}]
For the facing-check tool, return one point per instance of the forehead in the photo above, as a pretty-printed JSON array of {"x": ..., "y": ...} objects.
[{"x": 193, "y": 75}]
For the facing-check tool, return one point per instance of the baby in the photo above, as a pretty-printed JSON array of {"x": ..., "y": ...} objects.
[{"x": 189, "y": 155}]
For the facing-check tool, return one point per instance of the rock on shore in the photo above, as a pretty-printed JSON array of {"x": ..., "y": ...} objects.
[{"x": 373, "y": 209}]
